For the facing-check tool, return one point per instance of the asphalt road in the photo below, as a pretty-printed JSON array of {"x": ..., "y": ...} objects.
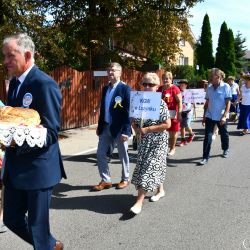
[{"x": 204, "y": 207}]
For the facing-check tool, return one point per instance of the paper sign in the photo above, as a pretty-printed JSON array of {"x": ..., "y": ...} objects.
[
  {"x": 100, "y": 73},
  {"x": 145, "y": 105},
  {"x": 196, "y": 95}
]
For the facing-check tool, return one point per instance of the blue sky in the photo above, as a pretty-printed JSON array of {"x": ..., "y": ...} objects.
[{"x": 236, "y": 14}]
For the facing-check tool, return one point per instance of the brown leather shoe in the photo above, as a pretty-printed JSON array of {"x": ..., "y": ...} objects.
[
  {"x": 122, "y": 184},
  {"x": 102, "y": 185},
  {"x": 58, "y": 245}
]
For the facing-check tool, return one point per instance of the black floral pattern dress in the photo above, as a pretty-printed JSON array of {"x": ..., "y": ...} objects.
[{"x": 151, "y": 163}]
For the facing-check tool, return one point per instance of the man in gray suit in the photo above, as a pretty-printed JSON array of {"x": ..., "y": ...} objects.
[{"x": 114, "y": 126}]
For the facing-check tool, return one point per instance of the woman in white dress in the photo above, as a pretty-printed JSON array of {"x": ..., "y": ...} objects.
[{"x": 235, "y": 92}]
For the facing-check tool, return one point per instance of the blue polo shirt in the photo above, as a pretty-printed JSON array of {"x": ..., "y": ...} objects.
[{"x": 217, "y": 100}]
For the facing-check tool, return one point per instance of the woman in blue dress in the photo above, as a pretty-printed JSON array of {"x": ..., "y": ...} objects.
[{"x": 244, "y": 96}]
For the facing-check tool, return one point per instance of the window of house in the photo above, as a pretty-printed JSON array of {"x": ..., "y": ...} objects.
[
  {"x": 183, "y": 60},
  {"x": 182, "y": 42}
]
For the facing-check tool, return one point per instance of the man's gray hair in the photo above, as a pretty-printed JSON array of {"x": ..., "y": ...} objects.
[
  {"x": 116, "y": 65},
  {"x": 217, "y": 72},
  {"x": 24, "y": 42}
]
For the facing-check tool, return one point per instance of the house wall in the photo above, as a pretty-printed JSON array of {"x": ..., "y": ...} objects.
[
  {"x": 247, "y": 57},
  {"x": 187, "y": 52}
]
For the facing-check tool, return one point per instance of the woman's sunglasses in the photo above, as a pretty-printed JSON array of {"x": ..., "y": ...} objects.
[{"x": 151, "y": 85}]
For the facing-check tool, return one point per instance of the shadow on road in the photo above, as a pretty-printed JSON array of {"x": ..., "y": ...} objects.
[
  {"x": 90, "y": 158},
  {"x": 104, "y": 204},
  {"x": 235, "y": 133},
  {"x": 173, "y": 163},
  {"x": 61, "y": 188}
]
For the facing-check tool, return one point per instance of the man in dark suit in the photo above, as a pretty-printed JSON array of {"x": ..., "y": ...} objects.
[
  {"x": 114, "y": 126},
  {"x": 31, "y": 173}
]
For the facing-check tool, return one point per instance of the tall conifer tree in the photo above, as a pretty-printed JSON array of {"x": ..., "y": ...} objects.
[
  {"x": 225, "y": 56},
  {"x": 204, "y": 52},
  {"x": 221, "y": 49},
  {"x": 231, "y": 69},
  {"x": 240, "y": 51}
]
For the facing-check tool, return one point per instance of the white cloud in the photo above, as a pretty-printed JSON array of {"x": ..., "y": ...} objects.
[{"x": 235, "y": 13}]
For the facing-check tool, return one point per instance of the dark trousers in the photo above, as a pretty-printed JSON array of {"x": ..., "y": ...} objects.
[
  {"x": 33, "y": 228},
  {"x": 209, "y": 128}
]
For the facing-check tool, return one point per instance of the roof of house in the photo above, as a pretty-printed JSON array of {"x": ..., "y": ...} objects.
[{"x": 247, "y": 55}]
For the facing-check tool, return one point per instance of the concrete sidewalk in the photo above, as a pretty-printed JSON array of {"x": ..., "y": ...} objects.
[
  {"x": 83, "y": 140},
  {"x": 78, "y": 141}
]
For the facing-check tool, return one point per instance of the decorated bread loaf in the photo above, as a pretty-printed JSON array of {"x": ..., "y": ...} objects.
[{"x": 17, "y": 115}]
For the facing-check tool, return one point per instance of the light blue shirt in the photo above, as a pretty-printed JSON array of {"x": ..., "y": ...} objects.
[
  {"x": 1, "y": 104},
  {"x": 108, "y": 99},
  {"x": 217, "y": 100}
]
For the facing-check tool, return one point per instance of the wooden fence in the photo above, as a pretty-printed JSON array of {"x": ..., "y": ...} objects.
[{"x": 81, "y": 92}]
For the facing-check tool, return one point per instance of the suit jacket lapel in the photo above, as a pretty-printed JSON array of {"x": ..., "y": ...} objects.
[{"x": 22, "y": 90}]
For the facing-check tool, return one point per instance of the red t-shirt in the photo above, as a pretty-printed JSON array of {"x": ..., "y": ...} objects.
[{"x": 168, "y": 95}]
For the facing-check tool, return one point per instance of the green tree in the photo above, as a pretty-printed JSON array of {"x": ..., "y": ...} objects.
[
  {"x": 225, "y": 56},
  {"x": 86, "y": 33},
  {"x": 183, "y": 72},
  {"x": 204, "y": 48},
  {"x": 221, "y": 49},
  {"x": 231, "y": 59},
  {"x": 240, "y": 51},
  {"x": 30, "y": 17},
  {"x": 148, "y": 28}
]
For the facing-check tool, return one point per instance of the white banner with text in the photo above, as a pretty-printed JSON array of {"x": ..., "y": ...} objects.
[{"x": 196, "y": 96}]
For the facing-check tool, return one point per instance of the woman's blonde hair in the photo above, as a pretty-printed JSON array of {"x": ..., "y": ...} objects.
[
  {"x": 152, "y": 77},
  {"x": 231, "y": 78},
  {"x": 167, "y": 74}
]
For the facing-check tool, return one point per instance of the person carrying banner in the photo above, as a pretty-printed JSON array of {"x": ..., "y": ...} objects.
[{"x": 150, "y": 170}]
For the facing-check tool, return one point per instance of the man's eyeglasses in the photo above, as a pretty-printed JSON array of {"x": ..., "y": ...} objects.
[
  {"x": 113, "y": 70},
  {"x": 148, "y": 84}
]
